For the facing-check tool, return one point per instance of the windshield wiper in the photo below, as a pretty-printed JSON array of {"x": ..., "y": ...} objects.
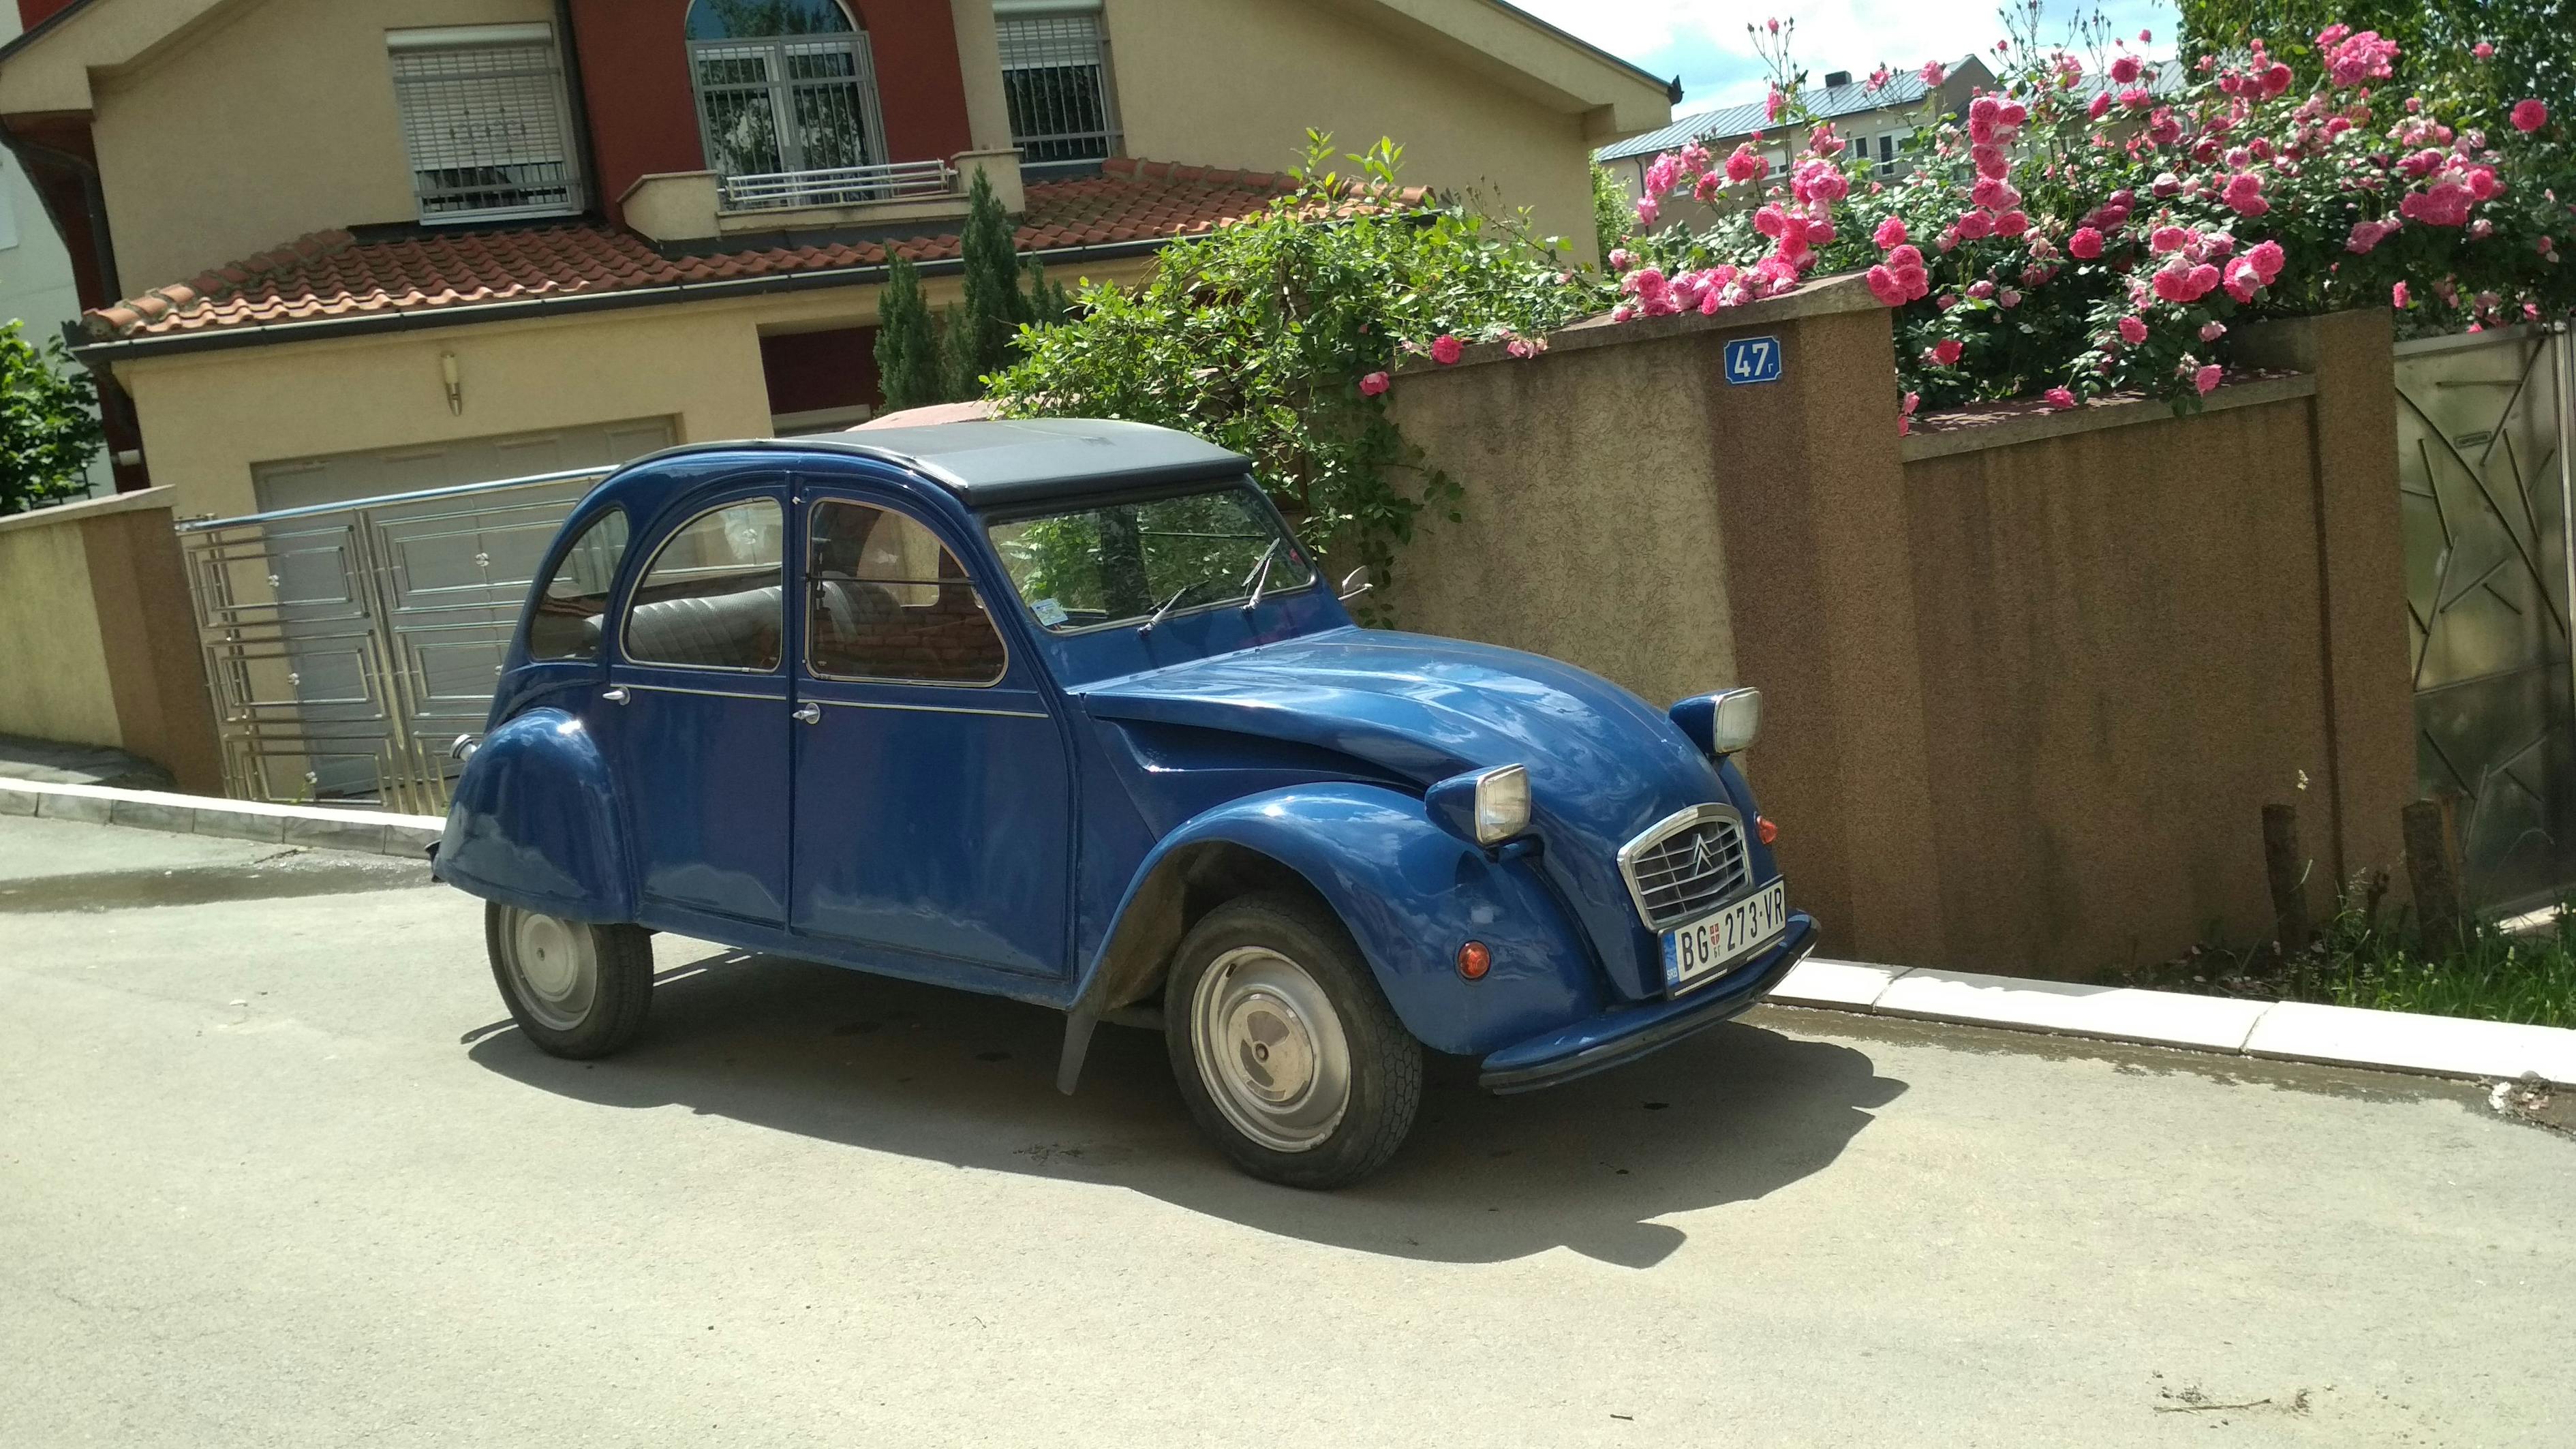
[
  {"x": 1157, "y": 617},
  {"x": 1259, "y": 578}
]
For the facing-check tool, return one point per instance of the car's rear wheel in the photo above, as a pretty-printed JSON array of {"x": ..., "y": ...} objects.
[
  {"x": 1285, "y": 1048},
  {"x": 576, "y": 989}
]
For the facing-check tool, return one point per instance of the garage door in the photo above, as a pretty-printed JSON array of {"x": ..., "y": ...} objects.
[{"x": 413, "y": 618}]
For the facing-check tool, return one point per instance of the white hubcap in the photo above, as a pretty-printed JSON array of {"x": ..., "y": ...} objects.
[
  {"x": 1270, "y": 1049},
  {"x": 555, "y": 966}
]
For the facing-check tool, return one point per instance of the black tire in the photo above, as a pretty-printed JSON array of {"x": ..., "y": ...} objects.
[
  {"x": 607, "y": 990},
  {"x": 1309, "y": 1145}
]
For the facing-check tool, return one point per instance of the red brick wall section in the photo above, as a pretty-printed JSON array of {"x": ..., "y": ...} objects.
[
  {"x": 644, "y": 117},
  {"x": 808, "y": 371}
]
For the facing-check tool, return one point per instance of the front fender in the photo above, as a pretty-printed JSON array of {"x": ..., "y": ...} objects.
[
  {"x": 533, "y": 823},
  {"x": 1409, "y": 893}
]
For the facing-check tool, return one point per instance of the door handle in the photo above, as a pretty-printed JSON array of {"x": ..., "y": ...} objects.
[
  {"x": 615, "y": 696},
  {"x": 809, "y": 713}
]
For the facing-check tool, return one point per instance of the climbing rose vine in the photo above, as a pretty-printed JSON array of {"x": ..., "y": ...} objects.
[{"x": 2076, "y": 233}]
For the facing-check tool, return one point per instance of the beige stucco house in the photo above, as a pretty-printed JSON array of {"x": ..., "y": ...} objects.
[{"x": 333, "y": 249}]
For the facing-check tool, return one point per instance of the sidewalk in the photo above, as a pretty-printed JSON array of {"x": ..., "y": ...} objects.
[
  {"x": 2442, "y": 1046},
  {"x": 53, "y": 763}
]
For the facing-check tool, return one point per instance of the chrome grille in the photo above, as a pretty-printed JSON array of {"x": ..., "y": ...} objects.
[{"x": 1686, "y": 866}]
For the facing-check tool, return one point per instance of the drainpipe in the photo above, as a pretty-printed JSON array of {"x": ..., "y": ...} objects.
[
  {"x": 579, "y": 99},
  {"x": 115, "y": 409}
]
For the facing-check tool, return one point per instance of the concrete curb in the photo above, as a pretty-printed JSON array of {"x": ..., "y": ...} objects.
[
  {"x": 2296, "y": 1031},
  {"x": 373, "y": 832}
]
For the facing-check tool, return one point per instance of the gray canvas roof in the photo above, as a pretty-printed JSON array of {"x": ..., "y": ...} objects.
[{"x": 1004, "y": 461}]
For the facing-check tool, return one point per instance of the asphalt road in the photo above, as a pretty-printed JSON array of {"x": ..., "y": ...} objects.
[{"x": 274, "y": 1170}]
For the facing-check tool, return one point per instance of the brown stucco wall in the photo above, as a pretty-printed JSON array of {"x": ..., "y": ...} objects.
[
  {"x": 2025, "y": 688},
  {"x": 98, "y": 644},
  {"x": 2120, "y": 655}
]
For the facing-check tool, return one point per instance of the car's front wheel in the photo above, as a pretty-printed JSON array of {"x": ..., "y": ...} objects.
[
  {"x": 1285, "y": 1048},
  {"x": 576, "y": 989}
]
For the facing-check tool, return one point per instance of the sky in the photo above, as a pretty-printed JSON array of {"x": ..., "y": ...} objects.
[{"x": 1703, "y": 41}]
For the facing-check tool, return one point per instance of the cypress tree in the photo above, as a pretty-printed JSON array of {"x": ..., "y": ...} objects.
[
  {"x": 984, "y": 335},
  {"x": 908, "y": 360}
]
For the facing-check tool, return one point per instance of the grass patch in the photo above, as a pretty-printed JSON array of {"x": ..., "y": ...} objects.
[{"x": 2373, "y": 957}]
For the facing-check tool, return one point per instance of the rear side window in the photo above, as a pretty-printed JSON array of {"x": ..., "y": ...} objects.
[
  {"x": 711, "y": 598},
  {"x": 566, "y": 622}
]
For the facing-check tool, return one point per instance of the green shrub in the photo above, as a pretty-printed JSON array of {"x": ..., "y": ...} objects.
[
  {"x": 1274, "y": 335},
  {"x": 49, "y": 431}
]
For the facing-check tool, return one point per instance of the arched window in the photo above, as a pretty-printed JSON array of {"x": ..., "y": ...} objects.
[{"x": 783, "y": 86}]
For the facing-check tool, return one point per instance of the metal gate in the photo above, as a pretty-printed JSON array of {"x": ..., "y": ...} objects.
[
  {"x": 347, "y": 644},
  {"x": 2483, "y": 422}
]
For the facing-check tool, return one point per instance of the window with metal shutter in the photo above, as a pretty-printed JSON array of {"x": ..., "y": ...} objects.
[
  {"x": 485, "y": 123},
  {"x": 1055, "y": 72}
]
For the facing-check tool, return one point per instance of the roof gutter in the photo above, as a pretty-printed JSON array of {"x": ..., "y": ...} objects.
[{"x": 127, "y": 349}]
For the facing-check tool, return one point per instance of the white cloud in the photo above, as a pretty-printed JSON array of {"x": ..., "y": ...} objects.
[{"x": 1704, "y": 40}]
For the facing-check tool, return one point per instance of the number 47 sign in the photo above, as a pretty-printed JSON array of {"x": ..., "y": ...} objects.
[{"x": 1753, "y": 359}]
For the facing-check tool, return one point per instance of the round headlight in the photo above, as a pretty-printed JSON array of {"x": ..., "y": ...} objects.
[{"x": 1502, "y": 804}]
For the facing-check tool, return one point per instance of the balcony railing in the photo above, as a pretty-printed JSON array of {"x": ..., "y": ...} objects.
[{"x": 838, "y": 186}]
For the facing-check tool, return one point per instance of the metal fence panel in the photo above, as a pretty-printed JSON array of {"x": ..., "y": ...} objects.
[
  {"x": 2483, "y": 473},
  {"x": 347, "y": 644}
]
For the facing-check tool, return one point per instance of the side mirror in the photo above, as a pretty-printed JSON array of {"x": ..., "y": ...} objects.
[{"x": 1355, "y": 583}]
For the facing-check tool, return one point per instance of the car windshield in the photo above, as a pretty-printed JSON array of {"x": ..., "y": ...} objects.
[{"x": 1118, "y": 563}]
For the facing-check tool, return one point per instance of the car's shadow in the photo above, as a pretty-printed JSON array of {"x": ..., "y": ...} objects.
[{"x": 1734, "y": 1113}]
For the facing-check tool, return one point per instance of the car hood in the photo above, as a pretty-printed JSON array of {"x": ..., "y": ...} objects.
[{"x": 1603, "y": 763}]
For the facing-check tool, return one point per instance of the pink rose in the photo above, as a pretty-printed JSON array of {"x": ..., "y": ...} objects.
[
  {"x": 2101, "y": 106},
  {"x": 1975, "y": 225},
  {"x": 2086, "y": 244},
  {"x": 1743, "y": 164},
  {"x": 2242, "y": 283},
  {"x": 2266, "y": 259},
  {"x": 1883, "y": 285},
  {"x": 2169, "y": 238},
  {"x": 1373, "y": 384},
  {"x": 2276, "y": 79},
  {"x": 2211, "y": 331},
  {"x": 1890, "y": 233},
  {"x": 2125, "y": 69},
  {"x": 1946, "y": 351},
  {"x": 2133, "y": 330},
  {"x": 2060, "y": 399},
  {"x": 1932, "y": 73},
  {"x": 1445, "y": 348},
  {"x": 2482, "y": 50},
  {"x": 2397, "y": 297},
  {"x": 2529, "y": 116},
  {"x": 2011, "y": 223},
  {"x": 2206, "y": 379},
  {"x": 1621, "y": 259},
  {"x": 1981, "y": 289}
]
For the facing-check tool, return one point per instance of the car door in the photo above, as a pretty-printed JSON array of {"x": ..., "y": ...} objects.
[
  {"x": 933, "y": 798},
  {"x": 699, "y": 720}
]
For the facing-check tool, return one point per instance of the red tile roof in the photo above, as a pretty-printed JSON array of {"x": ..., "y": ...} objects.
[{"x": 332, "y": 274}]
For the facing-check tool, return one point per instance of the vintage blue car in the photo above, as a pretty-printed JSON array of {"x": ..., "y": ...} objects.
[{"x": 1061, "y": 711}]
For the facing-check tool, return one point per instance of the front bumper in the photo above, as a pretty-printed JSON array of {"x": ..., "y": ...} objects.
[{"x": 1613, "y": 1037}]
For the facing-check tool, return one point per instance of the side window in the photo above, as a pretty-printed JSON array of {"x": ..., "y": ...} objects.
[
  {"x": 565, "y": 623},
  {"x": 711, "y": 599},
  {"x": 887, "y": 601}
]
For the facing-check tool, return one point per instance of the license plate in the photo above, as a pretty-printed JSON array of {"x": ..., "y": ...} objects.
[{"x": 1698, "y": 951}]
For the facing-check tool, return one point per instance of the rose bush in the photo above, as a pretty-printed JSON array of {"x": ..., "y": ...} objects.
[{"x": 2076, "y": 233}]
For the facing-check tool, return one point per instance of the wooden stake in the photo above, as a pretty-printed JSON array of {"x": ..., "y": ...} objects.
[
  {"x": 2433, "y": 873},
  {"x": 2286, "y": 869}
]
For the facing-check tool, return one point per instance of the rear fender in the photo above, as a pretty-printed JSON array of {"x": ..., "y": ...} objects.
[
  {"x": 1409, "y": 893},
  {"x": 533, "y": 823}
]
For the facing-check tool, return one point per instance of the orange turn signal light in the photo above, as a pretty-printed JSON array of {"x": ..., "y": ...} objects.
[
  {"x": 1474, "y": 960},
  {"x": 1767, "y": 828}
]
